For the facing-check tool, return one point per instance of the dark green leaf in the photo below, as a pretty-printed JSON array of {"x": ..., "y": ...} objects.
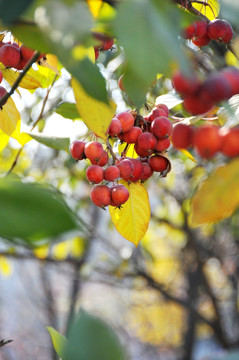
[
  {"x": 68, "y": 111},
  {"x": 12, "y": 9},
  {"x": 32, "y": 212},
  {"x": 90, "y": 339},
  {"x": 59, "y": 341},
  {"x": 150, "y": 41},
  {"x": 57, "y": 143}
]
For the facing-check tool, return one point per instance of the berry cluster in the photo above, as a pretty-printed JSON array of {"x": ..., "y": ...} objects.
[
  {"x": 207, "y": 140},
  {"x": 105, "y": 43},
  {"x": 202, "y": 33},
  {"x": 200, "y": 97},
  {"x": 150, "y": 136}
]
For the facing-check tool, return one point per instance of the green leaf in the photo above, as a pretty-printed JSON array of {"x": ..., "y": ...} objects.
[
  {"x": 11, "y": 10},
  {"x": 59, "y": 341},
  {"x": 68, "y": 111},
  {"x": 31, "y": 212},
  {"x": 90, "y": 339},
  {"x": 150, "y": 41},
  {"x": 57, "y": 143}
]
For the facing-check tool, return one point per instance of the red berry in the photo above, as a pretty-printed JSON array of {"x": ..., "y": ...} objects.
[
  {"x": 126, "y": 168},
  {"x": 190, "y": 31},
  {"x": 119, "y": 194},
  {"x": 194, "y": 106},
  {"x": 201, "y": 26},
  {"x": 161, "y": 127},
  {"x": 3, "y": 91},
  {"x": 10, "y": 55},
  {"x": 97, "y": 53},
  {"x": 141, "y": 152},
  {"x": 146, "y": 141},
  {"x": 230, "y": 142},
  {"x": 95, "y": 174},
  {"x": 132, "y": 135},
  {"x": 147, "y": 171},
  {"x": 94, "y": 151},
  {"x": 156, "y": 113},
  {"x": 1, "y": 76},
  {"x": 185, "y": 85},
  {"x": 126, "y": 119},
  {"x": 218, "y": 29},
  {"x": 182, "y": 136},
  {"x": 102, "y": 161},
  {"x": 111, "y": 173},
  {"x": 215, "y": 89},
  {"x": 120, "y": 83},
  {"x": 158, "y": 163},
  {"x": 138, "y": 170},
  {"x": 100, "y": 195},
  {"x": 232, "y": 76},
  {"x": 77, "y": 149},
  {"x": 164, "y": 107},
  {"x": 229, "y": 34},
  {"x": 207, "y": 141},
  {"x": 108, "y": 44},
  {"x": 202, "y": 40},
  {"x": 115, "y": 127},
  {"x": 162, "y": 145}
]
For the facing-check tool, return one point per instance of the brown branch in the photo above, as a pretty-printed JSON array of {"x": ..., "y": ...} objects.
[{"x": 4, "y": 342}]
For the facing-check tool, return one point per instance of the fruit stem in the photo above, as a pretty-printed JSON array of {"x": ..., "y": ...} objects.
[{"x": 109, "y": 148}]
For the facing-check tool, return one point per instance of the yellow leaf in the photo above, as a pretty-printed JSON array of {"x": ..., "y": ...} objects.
[
  {"x": 188, "y": 154},
  {"x": 130, "y": 152},
  {"x": 95, "y": 6},
  {"x": 132, "y": 220},
  {"x": 28, "y": 82},
  {"x": 52, "y": 63},
  {"x": 96, "y": 114},
  {"x": 9, "y": 116},
  {"x": 209, "y": 8},
  {"x": 231, "y": 59},
  {"x": 21, "y": 137},
  {"x": 4, "y": 138},
  {"x": 218, "y": 196},
  {"x": 5, "y": 266}
]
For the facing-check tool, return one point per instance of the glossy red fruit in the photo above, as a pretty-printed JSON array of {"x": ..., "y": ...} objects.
[
  {"x": 201, "y": 28},
  {"x": 138, "y": 170},
  {"x": 93, "y": 151},
  {"x": 147, "y": 171},
  {"x": 126, "y": 119},
  {"x": 162, "y": 145},
  {"x": 164, "y": 107},
  {"x": 95, "y": 174},
  {"x": 232, "y": 76},
  {"x": 215, "y": 89},
  {"x": 115, "y": 127},
  {"x": 77, "y": 150},
  {"x": 108, "y": 44},
  {"x": 185, "y": 85},
  {"x": 126, "y": 168},
  {"x": 97, "y": 53},
  {"x": 194, "y": 106},
  {"x": 10, "y": 55},
  {"x": 158, "y": 163},
  {"x": 120, "y": 82},
  {"x": 119, "y": 195},
  {"x": 22, "y": 63},
  {"x": 202, "y": 40},
  {"x": 103, "y": 160},
  {"x": 132, "y": 135},
  {"x": 190, "y": 31},
  {"x": 230, "y": 142},
  {"x": 146, "y": 141},
  {"x": 156, "y": 113},
  {"x": 229, "y": 34},
  {"x": 111, "y": 173},
  {"x": 100, "y": 195},
  {"x": 3, "y": 91},
  {"x": 142, "y": 153},
  {"x": 207, "y": 141},
  {"x": 182, "y": 136},
  {"x": 218, "y": 29},
  {"x": 1, "y": 76},
  {"x": 161, "y": 127}
]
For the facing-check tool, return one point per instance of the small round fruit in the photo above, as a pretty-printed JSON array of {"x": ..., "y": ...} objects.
[
  {"x": 190, "y": 31},
  {"x": 207, "y": 141},
  {"x": 126, "y": 168},
  {"x": 158, "y": 163},
  {"x": 162, "y": 145},
  {"x": 132, "y": 135},
  {"x": 10, "y": 55},
  {"x": 115, "y": 127},
  {"x": 230, "y": 143},
  {"x": 97, "y": 53},
  {"x": 182, "y": 136},
  {"x": 95, "y": 174},
  {"x": 217, "y": 29},
  {"x": 215, "y": 89},
  {"x": 147, "y": 171},
  {"x": 156, "y": 113},
  {"x": 126, "y": 119},
  {"x": 138, "y": 170},
  {"x": 194, "y": 106},
  {"x": 202, "y": 40},
  {"x": 111, "y": 173},
  {"x": 120, "y": 82},
  {"x": 1, "y": 76},
  {"x": 3, "y": 91},
  {"x": 161, "y": 127},
  {"x": 185, "y": 85},
  {"x": 142, "y": 153},
  {"x": 119, "y": 195},
  {"x": 146, "y": 141},
  {"x": 93, "y": 151},
  {"x": 201, "y": 26},
  {"x": 164, "y": 107},
  {"x": 100, "y": 195},
  {"x": 108, "y": 44},
  {"x": 232, "y": 75},
  {"x": 77, "y": 149},
  {"x": 102, "y": 161}
]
